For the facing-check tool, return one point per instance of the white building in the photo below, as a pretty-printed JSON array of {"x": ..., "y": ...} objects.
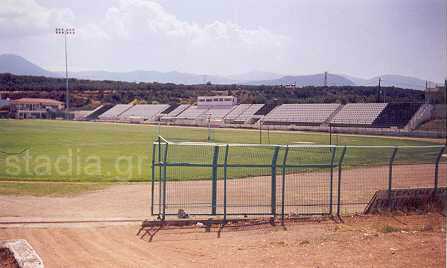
[{"x": 216, "y": 101}]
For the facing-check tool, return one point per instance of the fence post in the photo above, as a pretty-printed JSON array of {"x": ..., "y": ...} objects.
[
  {"x": 340, "y": 162},
  {"x": 165, "y": 157},
  {"x": 274, "y": 158},
  {"x": 390, "y": 175},
  {"x": 283, "y": 186},
  {"x": 159, "y": 177},
  {"x": 438, "y": 159},
  {"x": 153, "y": 179},
  {"x": 331, "y": 190},
  {"x": 225, "y": 183},
  {"x": 214, "y": 180}
]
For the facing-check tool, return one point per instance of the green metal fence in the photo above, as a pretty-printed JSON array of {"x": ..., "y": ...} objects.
[{"x": 283, "y": 180}]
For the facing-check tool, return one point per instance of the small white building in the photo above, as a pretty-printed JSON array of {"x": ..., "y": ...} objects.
[
  {"x": 27, "y": 108},
  {"x": 216, "y": 101}
]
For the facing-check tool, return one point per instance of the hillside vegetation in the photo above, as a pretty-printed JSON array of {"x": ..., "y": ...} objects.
[{"x": 90, "y": 93}]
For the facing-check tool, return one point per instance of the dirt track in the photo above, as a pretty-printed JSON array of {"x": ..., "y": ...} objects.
[
  {"x": 418, "y": 241},
  {"x": 120, "y": 201},
  {"x": 133, "y": 201}
]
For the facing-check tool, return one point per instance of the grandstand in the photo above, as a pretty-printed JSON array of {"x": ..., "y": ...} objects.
[
  {"x": 358, "y": 114},
  {"x": 248, "y": 114},
  {"x": 208, "y": 107},
  {"x": 220, "y": 111},
  {"x": 175, "y": 112},
  {"x": 92, "y": 115},
  {"x": 396, "y": 115},
  {"x": 193, "y": 112},
  {"x": 376, "y": 115},
  {"x": 144, "y": 111},
  {"x": 265, "y": 109},
  {"x": 114, "y": 112},
  {"x": 236, "y": 112},
  {"x": 171, "y": 108},
  {"x": 301, "y": 114}
]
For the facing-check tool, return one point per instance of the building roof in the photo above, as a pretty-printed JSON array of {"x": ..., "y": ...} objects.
[{"x": 37, "y": 101}]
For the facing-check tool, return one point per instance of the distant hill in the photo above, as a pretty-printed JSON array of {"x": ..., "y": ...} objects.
[
  {"x": 152, "y": 76},
  {"x": 398, "y": 81},
  {"x": 307, "y": 80},
  {"x": 253, "y": 76},
  {"x": 10, "y": 63},
  {"x": 389, "y": 80}
]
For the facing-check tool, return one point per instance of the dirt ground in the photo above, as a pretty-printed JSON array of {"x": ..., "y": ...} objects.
[
  {"x": 361, "y": 241},
  {"x": 132, "y": 201},
  {"x": 373, "y": 241},
  {"x": 120, "y": 201}
]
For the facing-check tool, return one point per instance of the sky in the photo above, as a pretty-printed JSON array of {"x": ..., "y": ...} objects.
[{"x": 362, "y": 38}]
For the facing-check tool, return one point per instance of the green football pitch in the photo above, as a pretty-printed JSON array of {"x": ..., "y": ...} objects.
[{"x": 68, "y": 151}]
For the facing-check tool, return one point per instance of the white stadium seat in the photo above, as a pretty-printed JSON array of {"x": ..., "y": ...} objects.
[
  {"x": 115, "y": 111},
  {"x": 358, "y": 113},
  {"x": 301, "y": 113},
  {"x": 144, "y": 111}
]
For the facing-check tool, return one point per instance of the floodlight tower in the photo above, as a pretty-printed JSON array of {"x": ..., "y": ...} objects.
[
  {"x": 65, "y": 32},
  {"x": 209, "y": 126},
  {"x": 380, "y": 94}
]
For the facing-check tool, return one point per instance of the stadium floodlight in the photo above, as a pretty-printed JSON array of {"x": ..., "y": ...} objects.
[
  {"x": 65, "y": 32},
  {"x": 209, "y": 126}
]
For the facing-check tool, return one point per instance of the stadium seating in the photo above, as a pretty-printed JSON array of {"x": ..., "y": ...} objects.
[
  {"x": 358, "y": 114},
  {"x": 265, "y": 109},
  {"x": 237, "y": 111},
  {"x": 220, "y": 112},
  {"x": 193, "y": 112},
  {"x": 300, "y": 114},
  {"x": 370, "y": 115},
  {"x": 178, "y": 110},
  {"x": 171, "y": 108},
  {"x": 115, "y": 112},
  {"x": 144, "y": 111},
  {"x": 248, "y": 114},
  {"x": 396, "y": 115},
  {"x": 98, "y": 111}
]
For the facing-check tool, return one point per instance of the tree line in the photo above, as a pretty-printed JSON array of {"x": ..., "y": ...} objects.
[{"x": 91, "y": 93}]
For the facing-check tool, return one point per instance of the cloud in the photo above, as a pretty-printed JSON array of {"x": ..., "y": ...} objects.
[
  {"x": 27, "y": 18},
  {"x": 138, "y": 18},
  {"x": 137, "y": 21},
  {"x": 133, "y": 34}
]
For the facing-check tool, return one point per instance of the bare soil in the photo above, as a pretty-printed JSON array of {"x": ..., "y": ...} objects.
[
  {"x": 414, "y": 241},
  {"x": 361, "y": 241},
  {"x": 132, "y": 201}
]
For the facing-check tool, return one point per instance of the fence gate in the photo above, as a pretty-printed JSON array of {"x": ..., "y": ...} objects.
[
  {"x": 308, "y": 180},
  {"x": 225, "y": 179}
]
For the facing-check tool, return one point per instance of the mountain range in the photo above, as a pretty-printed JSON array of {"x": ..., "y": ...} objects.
[{"x": 10, "y": 63}]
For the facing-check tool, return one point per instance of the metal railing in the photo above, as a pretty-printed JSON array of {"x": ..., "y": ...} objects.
[{"x": 283, "y": 180}]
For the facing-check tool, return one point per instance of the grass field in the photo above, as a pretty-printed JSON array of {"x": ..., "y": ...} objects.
[
  {"x": 61, "y": 151},
  {"x": 48, "y": 189}
]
